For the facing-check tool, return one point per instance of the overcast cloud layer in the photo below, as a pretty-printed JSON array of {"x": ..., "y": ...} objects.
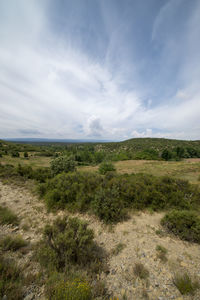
[{"x": 100, "y": 69}]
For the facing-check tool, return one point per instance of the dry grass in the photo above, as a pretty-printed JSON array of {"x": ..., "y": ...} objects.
[
  {"x": 188, "y": 169},
  {"x": 34, "y": 161}
]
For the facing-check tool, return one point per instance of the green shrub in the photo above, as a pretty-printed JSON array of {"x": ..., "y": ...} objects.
[
  {"x": 11, "y": 280},
  {"x": 76, "y": 289},
  {"x": 118, "y": 248},
  {"x": 72, "y": 190},
  {"x": 12, "y": 243},
  {"x": 106, "y": 167},
  {"x": 7, "y": 171},
  {"x": 39, "y": 174},
  {"x": 15, "y": 154},
  {"x": 110, "y": 196},
  {"x": 62, "y": 164},
  {"x": 185, "y": 224},
  {"x": 184, "y": 284},
  {"x": 140, "y": 271},
  {"x": 108, "y": 206},
  {"x": 8, "y": 217},
  {"x": 67, "y": 241},
  {"x": 25, "y": 154},
  {"x": 161, "y": 253}
]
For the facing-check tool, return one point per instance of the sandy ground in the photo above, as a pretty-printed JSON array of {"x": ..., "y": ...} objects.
[{"x": 138, "y": 236}]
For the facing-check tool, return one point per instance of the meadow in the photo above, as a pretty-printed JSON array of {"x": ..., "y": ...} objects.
[{"x": 188, "y": 169}]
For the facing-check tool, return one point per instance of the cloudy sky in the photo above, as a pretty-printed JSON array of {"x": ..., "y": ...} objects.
[{"x": 99, "y": 69}]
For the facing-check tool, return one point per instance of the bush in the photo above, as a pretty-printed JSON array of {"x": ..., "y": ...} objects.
[
  {"x": 161, "y": 253},
  {"x": 15, "y": 154},
  {"x": 106, "y": 167},
  {"x": 118, "y": 248},
  {"x": 108, "y": 206},
  {"x": 39, "y": 174},
  {"x": 74, "y": 190},
  {"x": 67, "y": 241},
  {"x": 62, "y": 164},
  {"x": 7, "y": 171},
  {"x": 110, "y": 196},
  {"x": 140, "y": 271},
  {"x": 8, "y": 217},
  {"x": 25, "y": 154},
  {"x": 12, "y": 243},
  {"x": 184, "y": 284},
  {"x": 185, "y": 224},
  {"x": 10, "y": 280},
  {"x": 73, "y": 289}
]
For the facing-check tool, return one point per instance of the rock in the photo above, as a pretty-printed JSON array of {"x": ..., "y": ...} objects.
[{"x": 4, "y": 297}]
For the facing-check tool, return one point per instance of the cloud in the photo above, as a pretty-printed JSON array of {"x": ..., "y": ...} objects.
[
  {"x": 94, "y": 127},
  {"x": 53, "y": 85}
]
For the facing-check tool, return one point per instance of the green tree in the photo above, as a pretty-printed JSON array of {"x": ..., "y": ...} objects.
[
  {"x": 166, "y": 154},
  {"x": 15, "y": 154},
  {"x": 62, "y": 164},
  {"x": 180, "y": 152},
  {"x": 25, "y": 154}
]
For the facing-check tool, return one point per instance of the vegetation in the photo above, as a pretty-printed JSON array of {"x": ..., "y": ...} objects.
[
  {"x": 106, "y": 167},
  {"x": 67, "y": 241},
  {"x": 110, "y": 197},
  {"x": 118, "y": 248},
  {"x": 8, "y": 217},
  {"x": 71, "y": 260},
  {"x": 11, "y": 280},
  {"x": 185, "y": 284},
  {"x": 161, "y": 253},
  {"x": 185, "y": 224},
  {"x": 62, "y": 164},
  {"x": 140, "y": 271},
  {"x": 12, "y": 243},
  {"x": 59, "y": 288}
]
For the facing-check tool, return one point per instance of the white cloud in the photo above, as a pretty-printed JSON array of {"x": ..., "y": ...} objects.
[{"x": 49, "y": 89}]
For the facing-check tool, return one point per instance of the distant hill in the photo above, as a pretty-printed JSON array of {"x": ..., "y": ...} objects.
[
  {"x": 147, "y": 148},
  {"x": 45, "y": 140},
  {"x": 151, "y": 143}
]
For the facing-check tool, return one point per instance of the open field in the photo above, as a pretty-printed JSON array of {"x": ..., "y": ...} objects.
[
  {"x": 188, "y": 169},
  {"x": 33, "y": 160}
]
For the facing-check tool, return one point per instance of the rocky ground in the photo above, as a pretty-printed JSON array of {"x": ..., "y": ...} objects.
[{"x": 127, "y": 243}]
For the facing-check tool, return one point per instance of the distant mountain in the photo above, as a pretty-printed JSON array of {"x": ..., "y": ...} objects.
[{"x": 45, "y": 140}]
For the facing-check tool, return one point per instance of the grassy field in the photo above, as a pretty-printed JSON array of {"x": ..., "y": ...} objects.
[
  {"x": 188, "y": 169},
  {"x": 33, "y": 160}
]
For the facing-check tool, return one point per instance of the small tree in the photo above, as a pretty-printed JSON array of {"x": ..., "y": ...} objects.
[
  {"x": 62, "y": 164},
  {"x": 106, "y": 167},
  {"x": 68, "y": 241},
  {"x": 25, "y": 154},
  {"x": 166, "y": 154},
  {"x": 15, "y": 154}
]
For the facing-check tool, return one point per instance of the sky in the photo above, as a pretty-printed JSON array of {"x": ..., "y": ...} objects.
[{"x": 100, "y": 69}]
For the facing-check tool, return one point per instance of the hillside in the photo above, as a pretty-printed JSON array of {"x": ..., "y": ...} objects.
[{"x": 159, "y": 144}]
